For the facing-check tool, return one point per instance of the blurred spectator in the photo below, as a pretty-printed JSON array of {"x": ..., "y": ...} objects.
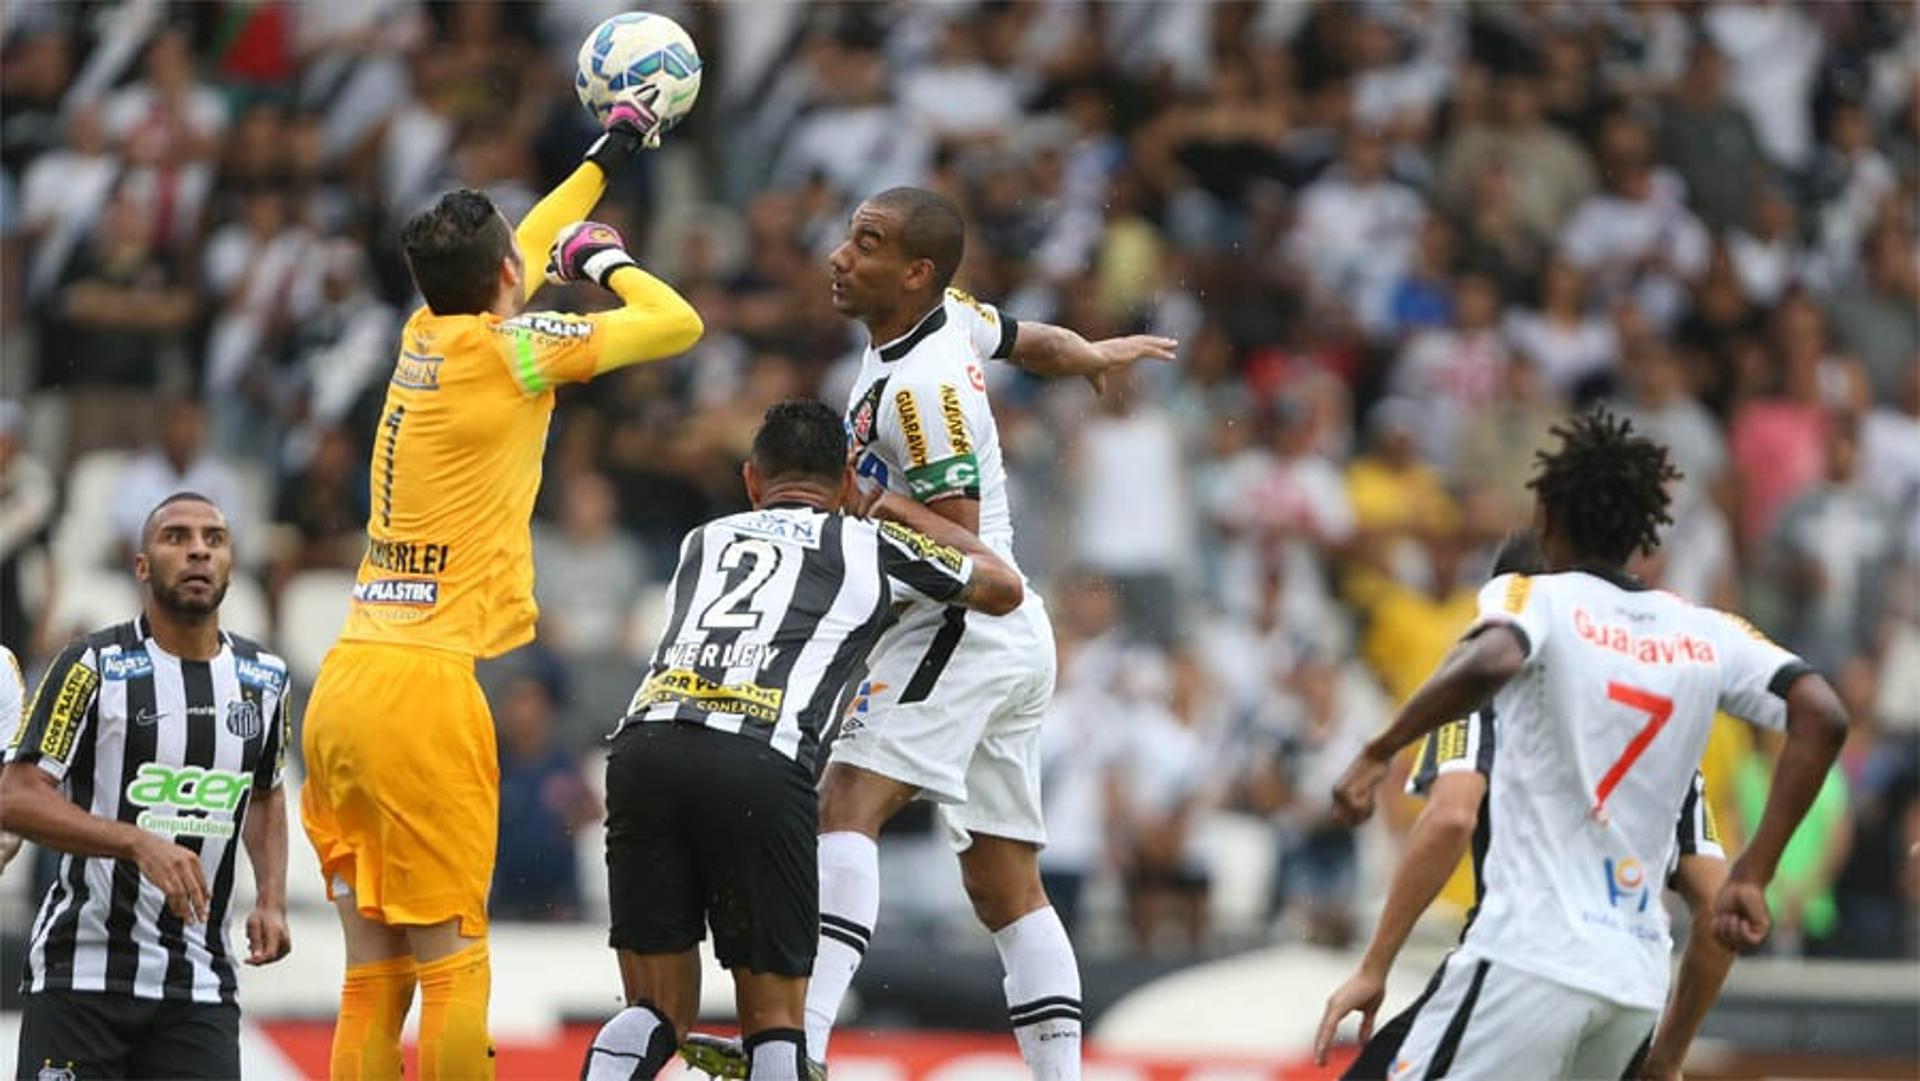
[
  {"x": 1570, "y": 345},
  {"x": 1775, "y": 53},
  {"x": 1878, "y": 319},
  {"x": 1710, "y": 141},
  {"x": 1852, "y": 179},
  {"x": 37, "y": 72},
  {"x": 1131, "y": 508},
  {"x": 1457, "y": 371},
  {"x": 1778, "y": 441},
  {"x": 180, "y": 462},
  {"x": 1890, "y": 457},
  {"x": 27, "y": 497},
  {"x": 1397, "y": 496},
  {"x": 588, "y": 573},
  {"x": 1156, "y": 792},
  {"x": 1551, "y": 172},
  {"x": 337, "y": 351},
  {"x": 116, "y": 320},
  {"x": 1315, "y": 725},
  {"x": 1637, "y": 239},
  {"x": 1355, "y": 228},
  {"x": 1768, "y": 256},
  {"x": 1078, "y": 740},
  {"x": 543, "y": 801},
  {"x": 252, "y": 268},
  {"x": 62, "y": 195},
  {"x": 321, "y": 512},
  {"x": 1838, "y": 542},
  {"x": 1410, "y": 626}
]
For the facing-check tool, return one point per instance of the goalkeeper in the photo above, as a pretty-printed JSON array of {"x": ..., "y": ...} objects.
[{"x": 402, "y": 795}]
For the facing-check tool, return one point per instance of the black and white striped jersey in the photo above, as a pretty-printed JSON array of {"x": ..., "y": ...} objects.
[
  {"x": 773, "y": 610},
  {"x": 177, "y": 748}
]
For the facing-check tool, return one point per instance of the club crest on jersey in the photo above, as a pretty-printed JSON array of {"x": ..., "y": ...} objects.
[
  {"x": 125, "y": 665},
  {"x": 243, "y": 719},
  {"x": 866, "y": 414},
  {"x": 260, "y": 675},
  {"x": 50, "y": 1072}
]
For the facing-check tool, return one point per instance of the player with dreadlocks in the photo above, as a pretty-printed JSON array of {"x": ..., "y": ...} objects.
[{"x": 1604, "y": 692}]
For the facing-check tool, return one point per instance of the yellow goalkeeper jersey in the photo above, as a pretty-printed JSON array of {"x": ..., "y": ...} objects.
[{"x": 456, "y": 460}]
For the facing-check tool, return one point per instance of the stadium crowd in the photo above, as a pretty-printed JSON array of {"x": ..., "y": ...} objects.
[{"x": 1397, "y": 242}]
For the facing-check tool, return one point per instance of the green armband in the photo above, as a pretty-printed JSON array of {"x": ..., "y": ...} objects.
[{"x": 959, "y": 475}]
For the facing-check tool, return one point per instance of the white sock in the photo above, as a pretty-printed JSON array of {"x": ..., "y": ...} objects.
[
  {"x": 1043, "y": 993},
  {"x": 635, "y": 1044},
  {"x": 849, "y": 905},
  {"x": 777, "y": 1054}
]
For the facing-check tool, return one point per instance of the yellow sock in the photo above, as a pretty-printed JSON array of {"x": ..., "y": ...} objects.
[
  {"x": 374, "y": 1000},
  {"x": 453, "y": 1017}
]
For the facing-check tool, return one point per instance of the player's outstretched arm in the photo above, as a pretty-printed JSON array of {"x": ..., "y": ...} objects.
[
  {"x": 631, "y": 127},
  {"x": 1703, "y": 969},
  {"x": 1056, "y": 352},
  {"x": 1473, "y": 670},
  {"x": 1440, "y": 836},
  {"x": 265, "y": 835},
  {"x": 32, "y": 805},
  {"x": 1816, "y": 729},
  {"x": 994, "y": 588}
]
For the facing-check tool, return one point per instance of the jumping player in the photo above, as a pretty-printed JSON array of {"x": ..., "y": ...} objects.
[
  {"x": 955, "y": 698},
  {"x": 1451, "y": 773},
  {"x": 1605, "y": 691},
  {"x": 402, "y": 796},
  {"x": 710, "y": 801}
]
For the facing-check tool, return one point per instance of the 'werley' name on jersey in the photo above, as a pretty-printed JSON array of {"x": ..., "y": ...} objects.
[{"x": 710, "y": 655}]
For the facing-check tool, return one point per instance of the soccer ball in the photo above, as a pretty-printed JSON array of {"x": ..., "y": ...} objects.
[{"x": 630, "y": 52}]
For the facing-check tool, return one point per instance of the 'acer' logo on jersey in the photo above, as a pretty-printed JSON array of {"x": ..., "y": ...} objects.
[
  {"x": 189, "y": 788},
  {"x": 132, "y": 664},
  {"x": 1679, "y": 648},
  {"x": 411, "y": 592}
]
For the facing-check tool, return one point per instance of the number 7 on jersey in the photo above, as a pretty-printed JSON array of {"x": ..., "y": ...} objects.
[{"x": 1657, "y": 708}]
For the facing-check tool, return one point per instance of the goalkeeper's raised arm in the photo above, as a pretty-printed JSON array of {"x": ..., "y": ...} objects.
[{"x": 632, "y": 127}]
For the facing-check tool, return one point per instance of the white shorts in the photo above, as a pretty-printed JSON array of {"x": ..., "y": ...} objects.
[
  {"x": 952, "y": 705},
  {"x": 1482, "y": 1019}
]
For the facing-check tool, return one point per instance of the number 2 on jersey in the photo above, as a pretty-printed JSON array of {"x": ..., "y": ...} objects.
[
  {"x": 730, "y": 611},
  {"x": 1657, "y": 708}
]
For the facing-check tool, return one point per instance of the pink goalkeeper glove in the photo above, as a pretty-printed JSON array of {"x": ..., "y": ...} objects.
[{"x": 589, "y": 251}]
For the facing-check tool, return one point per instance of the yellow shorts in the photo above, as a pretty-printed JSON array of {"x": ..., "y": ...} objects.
[{"x": 402, "y": 798}]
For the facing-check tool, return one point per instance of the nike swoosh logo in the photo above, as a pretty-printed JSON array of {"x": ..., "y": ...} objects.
[{"x": 147, "y": 718}]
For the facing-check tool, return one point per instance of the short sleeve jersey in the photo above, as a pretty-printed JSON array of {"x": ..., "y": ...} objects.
[
  {"x": 456, "y": 467},
  {"x": 919, "y": 418},
  {"x": 1600, "y": 739},
  {"x": 771, "y": 612}
]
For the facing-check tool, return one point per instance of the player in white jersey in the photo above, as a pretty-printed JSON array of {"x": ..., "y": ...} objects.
[
  {"x": 952, "y": 707},
  {"x": 1451, "y": 772},
  {"x": 13, "y": 695},
  {"x": 1605, "y": 691}
]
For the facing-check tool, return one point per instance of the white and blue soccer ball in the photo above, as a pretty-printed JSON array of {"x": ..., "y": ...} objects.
[{"x": 629, "y": 52}]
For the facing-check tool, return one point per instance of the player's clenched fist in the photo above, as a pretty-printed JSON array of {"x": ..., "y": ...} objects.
[
  {"x": 1740, "y": 918},
  {"x": 587, "y": 251},
  {"x": 1353, "y": 793},
  {"x": 177, "y": 873}
]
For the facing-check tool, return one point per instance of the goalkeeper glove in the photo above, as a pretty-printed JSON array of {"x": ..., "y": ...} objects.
[
  {"x": 632, "y": 126},
  {"x": 587, "y": 250}
]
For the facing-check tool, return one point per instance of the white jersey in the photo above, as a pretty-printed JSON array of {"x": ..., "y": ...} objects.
[
  {"x": 919, "y": 418},
  {"x": 13, "y": 695},
  {"x": 1600, "y": 736}
]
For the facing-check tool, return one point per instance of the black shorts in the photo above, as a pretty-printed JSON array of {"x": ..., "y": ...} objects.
[
  {"x": 706, "y": 828},
  {"x": 87, "y": 1034}
]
